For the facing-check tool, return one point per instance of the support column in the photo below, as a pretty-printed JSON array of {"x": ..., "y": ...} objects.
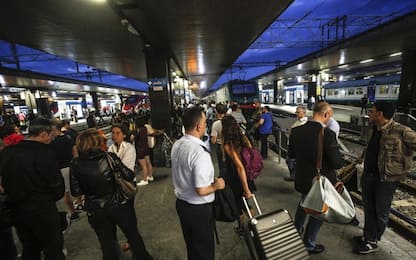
[
  {"x": 407, "y": 94},
  {"x": 159, "y": 89},
  {"x": 95, "y": 102}
]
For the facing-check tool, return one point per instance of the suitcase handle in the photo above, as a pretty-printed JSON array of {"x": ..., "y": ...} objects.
[{"x": 248, "y": 209}]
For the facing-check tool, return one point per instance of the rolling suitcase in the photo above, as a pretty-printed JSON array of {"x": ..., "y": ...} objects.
[{"x": 273, "y": 235}]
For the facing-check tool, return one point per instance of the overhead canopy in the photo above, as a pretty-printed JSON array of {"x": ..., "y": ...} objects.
[
  {"x": 309, "y": 26},
  {"x": 207, "y": 40},
  {"x": 203, "y": 37}
]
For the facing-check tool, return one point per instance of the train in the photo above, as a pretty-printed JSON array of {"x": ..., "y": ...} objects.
[
  {"x": 136, "y": 103},
  {"x": 244, "y": 92},
  {"x": 376, "y": 88}
]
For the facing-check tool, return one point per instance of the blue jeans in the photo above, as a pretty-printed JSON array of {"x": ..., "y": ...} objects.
[
  {"x": 377, "y": 197},
  {"x": 312, "y": 227}
]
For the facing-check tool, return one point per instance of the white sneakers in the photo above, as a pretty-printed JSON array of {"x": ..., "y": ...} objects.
[
  {"x": 145, "y": 182},
  {"x": 142, "y": 183}
]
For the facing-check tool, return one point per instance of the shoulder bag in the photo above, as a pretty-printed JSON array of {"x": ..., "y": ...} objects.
[
  {"x": 324, "y": 201},
  {"x": 125, "y": 189}
]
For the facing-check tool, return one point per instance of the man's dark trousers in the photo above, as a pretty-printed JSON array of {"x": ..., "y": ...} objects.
[
  {"x": 264, "y": 145},
  {"x": 197, "y": 222},
  {"x": 40, "y": 230},
  {"x": 377, "y": 197}
]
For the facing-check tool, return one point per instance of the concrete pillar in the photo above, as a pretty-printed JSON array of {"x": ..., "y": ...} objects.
[
  {"x": 95, "y": 102},
  {"x": 407, "y": 94},
  {"x": 157, "y": 67}
]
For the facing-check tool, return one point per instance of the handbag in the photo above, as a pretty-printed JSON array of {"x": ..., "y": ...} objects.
[
  {"x": 326, "y": 202},
  {"x": 226, "y": 209},
  {"x": 125, "y": 189}
]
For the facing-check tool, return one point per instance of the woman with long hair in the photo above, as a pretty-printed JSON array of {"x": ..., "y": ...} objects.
[
  {"x": 235, "y": 176},
  {"x": 91, "y": 176}
]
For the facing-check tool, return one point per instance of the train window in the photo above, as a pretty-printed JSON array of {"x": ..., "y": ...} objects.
[
  {"x": 358, "y": 91},
  {"x": 243, "y": 88},
  {"x": 396, "y": 89},
  {"x": 384, "y": 89},
  {"x": 336, "y": 92},
  {"x": 351, "y": 91},
  {"x": 330, "y": 92}
]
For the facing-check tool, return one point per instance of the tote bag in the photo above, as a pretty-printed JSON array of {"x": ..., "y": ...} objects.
[
  {"x": 325, "y": 203},
  {"x": 323, "y": 200}
]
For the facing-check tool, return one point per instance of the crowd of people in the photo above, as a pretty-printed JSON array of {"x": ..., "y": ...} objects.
[{"x": 56, "y": 162}]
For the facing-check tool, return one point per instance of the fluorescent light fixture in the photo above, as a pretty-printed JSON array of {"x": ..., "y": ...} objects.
[
  {"x": 325, "y": 70},
  {"x": 395, "y": 54},
  {"x": 54, "y": 94},
  {"x": 367, "y": 61},
  {"x": 343, "y": 66},
  {"x": 341, "y": 78},
  {"x": 299, "y": 66}
]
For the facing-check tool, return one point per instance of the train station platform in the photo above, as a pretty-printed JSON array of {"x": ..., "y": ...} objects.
[{"x": 160, "y": 228}]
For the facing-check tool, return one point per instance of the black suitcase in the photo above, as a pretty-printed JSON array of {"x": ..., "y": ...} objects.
[{"x": 273, "y": 236}]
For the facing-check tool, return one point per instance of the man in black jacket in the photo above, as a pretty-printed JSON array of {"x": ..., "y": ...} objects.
[
  {"x": 303, "y": 146},
  {"x": 32, "y": 182}
]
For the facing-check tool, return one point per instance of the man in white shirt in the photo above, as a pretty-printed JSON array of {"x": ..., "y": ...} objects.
[
  {"x": 194, "y": 182},
  {"x": 216, "y": 136}
]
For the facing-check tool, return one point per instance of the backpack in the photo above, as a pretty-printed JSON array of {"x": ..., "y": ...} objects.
[{"x": 252, "y": 161}]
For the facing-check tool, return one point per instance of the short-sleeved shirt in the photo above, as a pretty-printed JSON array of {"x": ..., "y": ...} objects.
[
  {"x": 126, "y": 153},
  {"x": 191, "y": 168},
  {"x": 267, "y": 126},
  {"x": 216, "y": 130},
  {"x": 239, "y": 117},
  {"x": 334, "y": 126}
]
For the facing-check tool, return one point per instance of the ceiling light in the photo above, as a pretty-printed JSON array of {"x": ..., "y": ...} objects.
[
  {"x": 367, "y": 61},
  {"x": 98, "y": 1},
  {"x": 395, "y": 54},
  {"x": 299, "y": 66},
  {"x": 325, "y": 70},
  {"x": 341, "y": 78},
  {"x": 343, "y": 66}
]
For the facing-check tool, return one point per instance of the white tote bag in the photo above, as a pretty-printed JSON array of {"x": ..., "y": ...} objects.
[{"x": 325, "y": 203}]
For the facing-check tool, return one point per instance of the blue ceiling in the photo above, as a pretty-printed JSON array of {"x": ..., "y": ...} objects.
[
  {"x": 18, "y": 57},
  {"x": 308, "y": 26}
]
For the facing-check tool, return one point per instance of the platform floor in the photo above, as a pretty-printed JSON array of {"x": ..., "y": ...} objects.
[{"x": 161, "y": 231}]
